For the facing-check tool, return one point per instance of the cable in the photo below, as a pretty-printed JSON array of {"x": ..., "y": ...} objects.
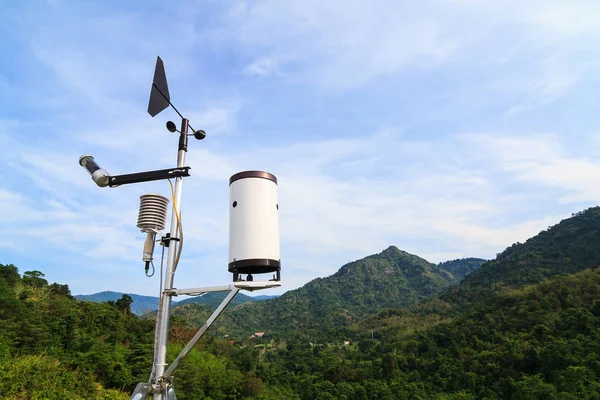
[
  {"x": 162, "y": 258},
  {"x": 153, "y": 270},
  {"x": 158, "y": 312},
  {"x": 179, "y": 225}
]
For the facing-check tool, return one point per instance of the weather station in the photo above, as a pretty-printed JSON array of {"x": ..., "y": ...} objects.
[{"x": 253, "y": 236}]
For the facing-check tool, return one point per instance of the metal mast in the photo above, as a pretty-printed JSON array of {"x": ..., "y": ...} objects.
[{"x": 164, "y": 311}]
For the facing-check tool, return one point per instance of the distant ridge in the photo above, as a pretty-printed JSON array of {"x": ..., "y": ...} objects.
[
  {"x": 212, "y": 300},
  {"x": 141, "y": 304},
  {"x": 145, "y": 304},
  {"x": 265, "y": 297}
]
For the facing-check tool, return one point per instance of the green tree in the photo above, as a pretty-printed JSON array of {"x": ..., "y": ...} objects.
[{"x": 533, "y": 387}]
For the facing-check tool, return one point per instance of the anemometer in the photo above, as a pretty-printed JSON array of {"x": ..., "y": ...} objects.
[{"x": 253, "y": 235}]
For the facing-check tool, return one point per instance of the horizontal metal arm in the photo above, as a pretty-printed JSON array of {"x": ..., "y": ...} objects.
[
  {"x": 148, "y": 176},
  {"x": 244, "y": 285},
  {"x": 199, "y": 291}
]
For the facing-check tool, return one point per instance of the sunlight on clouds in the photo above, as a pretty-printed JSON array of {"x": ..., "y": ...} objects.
[
  {"x": 568, "y": 18},
  {"x": 541, "y": 161}
]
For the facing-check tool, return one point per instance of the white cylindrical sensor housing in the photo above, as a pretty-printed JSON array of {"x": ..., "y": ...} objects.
[{"x": 253, "y": 224}]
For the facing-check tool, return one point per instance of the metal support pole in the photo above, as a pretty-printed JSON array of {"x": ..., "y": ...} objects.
[
  {"x": 201, "y": 332},
  {"x": 162, "y": 320}
]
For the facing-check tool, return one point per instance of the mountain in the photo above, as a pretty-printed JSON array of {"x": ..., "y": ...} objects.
[
  {"x": 540, "y": 341},
  {"x": 528, "y": 328},
  {"x": 212, "y": 300},
  {"x": 537, "y": 342},
  {"x": 140, "y": 305},
  {"x": 461, "y": 268},
  {"x": 569, "y": 246},
  {"x": 265, "y": 297},
  {"x": 392, "y": 278},
  {"x": 144, "y": 304}
]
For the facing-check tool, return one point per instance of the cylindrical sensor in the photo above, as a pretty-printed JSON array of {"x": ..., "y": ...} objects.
[
  {"x": 253, "y": 224},
  {"x": 99, "y": 175}
]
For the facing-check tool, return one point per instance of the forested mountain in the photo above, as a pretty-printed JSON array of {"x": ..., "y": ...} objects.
[
  {"x": 511, "y": 341},
  {"x": 569, "y": 246},
  {"x": 540, "y": 342},
  {"x": 461, "y": 268},
  {"x": 547, "y": 254},
  {"x": 392, "y": 278},
  {"x": 265, "y": 297}
]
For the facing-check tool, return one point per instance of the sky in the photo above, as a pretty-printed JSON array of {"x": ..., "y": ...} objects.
[{"x": 448, "y": 128}]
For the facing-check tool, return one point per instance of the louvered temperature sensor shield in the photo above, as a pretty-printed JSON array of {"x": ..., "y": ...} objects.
[{"x": 152, "y": 218}]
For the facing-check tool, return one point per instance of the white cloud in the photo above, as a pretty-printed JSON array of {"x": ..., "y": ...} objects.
[
  {"x": 346, "y": 47},
  {"x": 541, "y": 161},
  {"x": 343, "y": 44},
  {"x": 264, "y": 66}
]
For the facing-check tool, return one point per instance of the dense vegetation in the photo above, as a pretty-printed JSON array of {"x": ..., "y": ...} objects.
[
  {"x": 540, "y": 342},
  {"x": 524, "y": 326},
  {"x": 53, "y": 347}
]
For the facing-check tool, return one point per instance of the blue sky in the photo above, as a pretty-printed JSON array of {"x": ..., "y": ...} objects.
[{"x": 448, "y": 128}]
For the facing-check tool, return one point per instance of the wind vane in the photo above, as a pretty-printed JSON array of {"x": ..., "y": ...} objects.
[{"x": 159, "y": 95}]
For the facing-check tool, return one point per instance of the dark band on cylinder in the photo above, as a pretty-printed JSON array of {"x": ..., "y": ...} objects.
[
  {"x": 253, "y": 174},
  {"x": 255, "y": 266}
]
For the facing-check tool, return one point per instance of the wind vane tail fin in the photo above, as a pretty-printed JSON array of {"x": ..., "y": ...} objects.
[{"x": 159, "y": 95}]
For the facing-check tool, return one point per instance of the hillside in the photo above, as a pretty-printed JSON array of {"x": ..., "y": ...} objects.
[
  {"x": 569, "y": 246},
  {"x": 461, "y": 268},
  {"x": 54, "y": 347},
  {"x": 538, "y": 342},
  {"x": 392, "y": 278}
]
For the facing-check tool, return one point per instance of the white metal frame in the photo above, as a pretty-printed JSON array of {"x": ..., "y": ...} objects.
[{"x": 160, "y": 383}]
